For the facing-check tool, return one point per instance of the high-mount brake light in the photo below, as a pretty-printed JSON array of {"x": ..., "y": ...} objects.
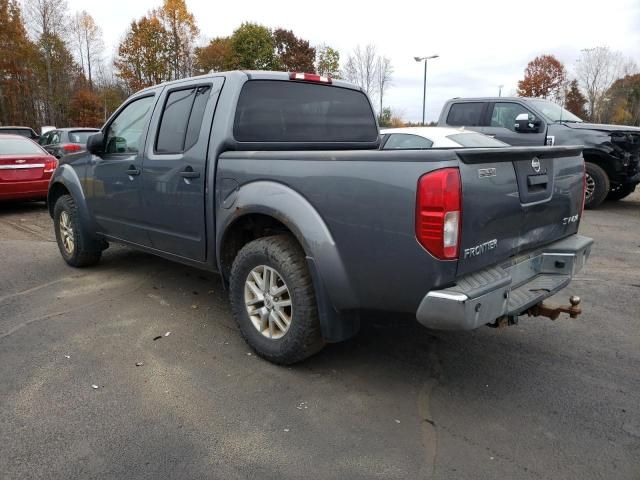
[
  {"x": 439, "y": 213},
  {"x": 310, "y": 77}
]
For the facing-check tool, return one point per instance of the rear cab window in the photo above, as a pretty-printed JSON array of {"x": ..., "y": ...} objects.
[
  {"x": 298, "y": 112},
  {"x": 467, "y": 114}
]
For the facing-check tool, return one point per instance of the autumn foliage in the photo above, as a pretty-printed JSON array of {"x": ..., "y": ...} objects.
[
  {"x": 544, "y": 77},
  {"x": 85, "y": 108},
  {"x": 255, "y": 47}
]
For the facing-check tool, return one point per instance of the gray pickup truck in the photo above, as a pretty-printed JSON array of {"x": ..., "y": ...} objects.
[{"x": 275, "y": 181}]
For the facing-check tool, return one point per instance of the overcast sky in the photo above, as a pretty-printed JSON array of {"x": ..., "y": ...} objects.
[{"x": 482, "y": 44}]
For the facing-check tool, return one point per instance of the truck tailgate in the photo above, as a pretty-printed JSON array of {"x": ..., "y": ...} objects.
[{"x": 516, "y": 199}]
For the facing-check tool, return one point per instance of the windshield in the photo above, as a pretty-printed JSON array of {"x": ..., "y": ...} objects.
[
  {"x": 18, "y": 146},
  {"x": 471, "y": 140},
  {"x": 554, "y": 112},
  {"x": 81, "y": 136}
]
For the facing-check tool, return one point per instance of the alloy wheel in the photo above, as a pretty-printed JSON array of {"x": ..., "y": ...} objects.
[
  {"x": 591, "y": 187},
  {"x": 268, "y": 302},
  {"x": 66, "y": 232}
]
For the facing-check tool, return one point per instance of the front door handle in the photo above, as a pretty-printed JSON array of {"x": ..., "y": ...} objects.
[
  {"x": 133, "y": 170},
  {"x": 189, "y": 173}
]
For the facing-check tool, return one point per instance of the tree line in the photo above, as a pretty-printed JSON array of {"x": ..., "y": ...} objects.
[
  {"x": 605, "y": 88},
  {"x": 54, "y": 70}
]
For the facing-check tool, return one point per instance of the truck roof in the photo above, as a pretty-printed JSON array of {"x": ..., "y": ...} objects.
[
  {"x": 252, "y": 75},
  {"x": 492, "y": 99}
]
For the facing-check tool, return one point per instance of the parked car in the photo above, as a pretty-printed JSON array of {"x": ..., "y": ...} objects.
[
  {"x": 22, "y": 131},
  {"x": 277, "y": 182},
  {"x": 25, "y": 169},
  {"x": 411, "y": 138},
  {"x": 61, "y": 141},
  {"x": 611, "y": 152}
]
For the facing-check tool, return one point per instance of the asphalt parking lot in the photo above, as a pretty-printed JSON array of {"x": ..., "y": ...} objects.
[{"x": 539, "y": 400}]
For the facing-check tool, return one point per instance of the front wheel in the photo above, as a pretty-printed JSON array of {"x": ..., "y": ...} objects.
[
  {"x": 75, "y": 246},
  {"x": 273, "y": 300},
  {"x": 598, "y": 185}
]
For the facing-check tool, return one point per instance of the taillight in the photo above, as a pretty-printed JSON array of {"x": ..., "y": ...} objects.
[
  {"x": 584, "y": 187},
  {"x": 50, "y": 164},
  {"x": 309, "y": 77},
  {"x": 71, "y": 147},
  {"x": 439, "y": 212}
]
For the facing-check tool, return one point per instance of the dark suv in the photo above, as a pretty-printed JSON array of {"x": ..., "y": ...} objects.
[
  {"x": 611, "y": 152},
  {"x": 22, "y": 131}
]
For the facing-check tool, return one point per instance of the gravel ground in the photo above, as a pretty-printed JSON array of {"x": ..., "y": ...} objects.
[{"x": 556, "y": 400}]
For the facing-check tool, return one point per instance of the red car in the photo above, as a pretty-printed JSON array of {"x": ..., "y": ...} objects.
[{"x": 25, "y": 169}]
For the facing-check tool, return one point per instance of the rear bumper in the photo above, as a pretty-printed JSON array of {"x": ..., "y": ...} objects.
[
  {"x": 505, "y": 290},
  {"x": 31, "y": 189}
]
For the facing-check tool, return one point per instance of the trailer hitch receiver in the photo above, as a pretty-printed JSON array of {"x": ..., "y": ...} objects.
[{"x": 553, "y": 311}]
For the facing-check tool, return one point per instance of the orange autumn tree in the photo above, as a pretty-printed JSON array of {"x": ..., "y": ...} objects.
[
  {"x": 544, "y": 77},
  {"x": 183, "y": 33},
  {"x": 18, "y": 83},
  {"x": 85, "y": 108},
  {"x": 144, "y": 56}
]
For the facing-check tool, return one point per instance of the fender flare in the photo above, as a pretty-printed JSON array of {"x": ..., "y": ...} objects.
[
  {"x": 66, "y": 176},
  {"x": 337, "y": 300}
]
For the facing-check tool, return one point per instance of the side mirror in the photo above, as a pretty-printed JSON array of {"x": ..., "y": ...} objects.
[
  {"x": 527, "y": 123},
  {"x": 95, "y": 144}
]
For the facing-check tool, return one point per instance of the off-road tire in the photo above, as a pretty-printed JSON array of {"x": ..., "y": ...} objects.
[
  {"x": 86, "y": 251},
  {"x": 303, "y": 337},
  {"x": 601, "y": 185}
]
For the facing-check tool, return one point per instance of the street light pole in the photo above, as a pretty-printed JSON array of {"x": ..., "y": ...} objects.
[
  {"x": 424, "y": 88},
  {"x": 500, "y": 90},
  {"x": 424, "y": 91}
]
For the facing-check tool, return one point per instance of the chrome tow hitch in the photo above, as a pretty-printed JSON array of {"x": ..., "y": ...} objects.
[{"x": 553, "y": 311}]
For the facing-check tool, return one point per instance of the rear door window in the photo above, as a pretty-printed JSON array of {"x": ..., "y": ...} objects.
[
  {"x": 404, "y": 141},
  {"x": 467, "y": 114},
  {"x": 54, "y": 138},
  {"x": 181, "y": 119},
  {"x": 44, "y": 139},
  {"x": 288, "y": 111}
]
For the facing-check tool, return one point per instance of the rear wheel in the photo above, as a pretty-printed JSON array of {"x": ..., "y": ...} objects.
[
  {"x": 77, "y": 249},
  {"x": 598, "y": 185},
  {"x": 273, "y": 300},
  {"x": 621, "y": 192}
]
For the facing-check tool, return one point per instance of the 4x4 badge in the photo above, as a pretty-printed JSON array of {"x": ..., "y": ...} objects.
[{"x": 535, "y": 164}]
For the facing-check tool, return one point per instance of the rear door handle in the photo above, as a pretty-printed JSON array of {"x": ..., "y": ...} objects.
[
  {"x": 133, "y": 170},
  {"x": 189, "y": 173}
]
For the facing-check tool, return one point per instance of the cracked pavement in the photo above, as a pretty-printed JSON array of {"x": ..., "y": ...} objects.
[{"x": 539, "y": 400}]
